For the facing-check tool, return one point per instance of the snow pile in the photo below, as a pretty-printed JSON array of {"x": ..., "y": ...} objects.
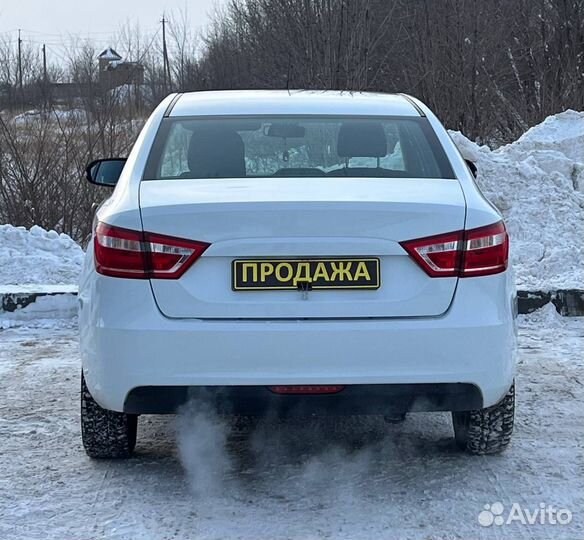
[
  {"x": 61, "y": 115},
  {"x": 547, "y": 317},
  {"x": 49, "y": 311},
  {"x": 27, "y": 116},
  {"x": 537, "y": 183},
  {"x": 37, "y": 256}
]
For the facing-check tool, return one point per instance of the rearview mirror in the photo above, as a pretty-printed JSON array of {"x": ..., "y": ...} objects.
[
  {"x": 105, "y": 172},
  {"x": 285, "y": 131}
]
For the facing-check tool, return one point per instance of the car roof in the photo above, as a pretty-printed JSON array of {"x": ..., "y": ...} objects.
[{"x": 301, "y": 102}]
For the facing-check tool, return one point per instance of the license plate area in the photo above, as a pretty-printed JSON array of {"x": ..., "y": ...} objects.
[{"x": 306, "y": 274}]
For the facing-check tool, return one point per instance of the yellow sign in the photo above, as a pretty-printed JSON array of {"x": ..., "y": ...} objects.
[{"x": 306, "y": 274}]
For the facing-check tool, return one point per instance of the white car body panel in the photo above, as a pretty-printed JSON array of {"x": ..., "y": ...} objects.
[
  {"x": 418, "y": 330},
  {"x": 302, "y": 217},
  {"x": 480, "y": 211},
  {"x": 138, "y": 346}
]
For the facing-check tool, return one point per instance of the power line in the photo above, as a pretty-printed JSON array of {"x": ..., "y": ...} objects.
[
  {"x": 59, "y": 49},
  {"x": 61, "y": 34}
]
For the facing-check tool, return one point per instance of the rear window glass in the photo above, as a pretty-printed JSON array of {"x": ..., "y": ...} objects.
[{"x": 295, "y": 146}]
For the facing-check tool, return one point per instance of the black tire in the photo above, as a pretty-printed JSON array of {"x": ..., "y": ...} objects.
[
  {"x": 106, "y": 434},
  {"x": 486, "y": 431}
]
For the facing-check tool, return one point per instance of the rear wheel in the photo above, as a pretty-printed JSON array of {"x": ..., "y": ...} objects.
[
  {"x": 106, "y": 434},
  {"x": 486, "y": 431}
]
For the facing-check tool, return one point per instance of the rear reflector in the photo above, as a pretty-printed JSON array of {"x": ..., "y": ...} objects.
[
  {"x": 303, "y": 389},
  {"x": 478, "y": 252},
  {"x": 141, "y": 255}
]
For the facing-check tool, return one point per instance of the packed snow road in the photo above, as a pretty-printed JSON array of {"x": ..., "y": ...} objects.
[{"x": 357, "y": 479}]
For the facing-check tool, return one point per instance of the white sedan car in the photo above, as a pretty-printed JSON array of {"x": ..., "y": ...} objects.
[{"x": 295, "y": 253}]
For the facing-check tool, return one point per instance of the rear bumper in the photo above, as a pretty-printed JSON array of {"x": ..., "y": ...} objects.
[
  {"x": 126, "y": 344},
  {"x": 353, "y": 399}
]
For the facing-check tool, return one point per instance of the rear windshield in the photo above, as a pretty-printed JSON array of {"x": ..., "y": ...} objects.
[{"x": 295, "y": 146}]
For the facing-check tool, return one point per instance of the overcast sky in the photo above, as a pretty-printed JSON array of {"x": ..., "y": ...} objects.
[{"x": 51, "y": 20}]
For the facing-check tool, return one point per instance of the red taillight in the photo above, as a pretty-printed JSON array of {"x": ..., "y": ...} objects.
[
  {"x": 478, "y": 252},
  {"x": 486, "y": 251},
  {"x": 439, "y": 256},
  {"x": 141, "y": 255},
  {"x": 118, "y": 252},
  {"x": 306, "y": 389}
]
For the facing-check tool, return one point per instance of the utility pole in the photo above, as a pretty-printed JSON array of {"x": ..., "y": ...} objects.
[
  {"x": 20, "y": 69},
  {"x": 45, "y": 78},
  {"x": 164, "y": 51},
  {"x": 165, "y": 63}
]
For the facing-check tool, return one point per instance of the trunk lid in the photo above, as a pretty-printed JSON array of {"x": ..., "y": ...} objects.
[{"x": 302, "y": 218}]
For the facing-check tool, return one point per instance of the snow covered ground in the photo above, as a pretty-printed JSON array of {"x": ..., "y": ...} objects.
[{"x": 191, "y": 479}]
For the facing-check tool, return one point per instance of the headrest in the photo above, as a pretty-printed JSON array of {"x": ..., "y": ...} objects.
[
  {"x": 361, "y": 139},
  {"x": 216, "y": 152}
]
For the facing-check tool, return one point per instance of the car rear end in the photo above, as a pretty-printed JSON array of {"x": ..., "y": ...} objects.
[{"x": 285, "y": 256}]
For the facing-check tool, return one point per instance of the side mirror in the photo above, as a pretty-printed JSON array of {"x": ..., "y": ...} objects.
[
  {"x": 472, "y": 167},
  {"x": 105, "y": 172}
]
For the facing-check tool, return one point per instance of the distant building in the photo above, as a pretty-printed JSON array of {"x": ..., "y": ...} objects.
[
  {"x": 106, "y": 57},
  {"x": 114, "y": 71}
]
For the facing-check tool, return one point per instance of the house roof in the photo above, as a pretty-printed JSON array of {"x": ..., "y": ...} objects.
[{"x": 110, "y": 54}]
